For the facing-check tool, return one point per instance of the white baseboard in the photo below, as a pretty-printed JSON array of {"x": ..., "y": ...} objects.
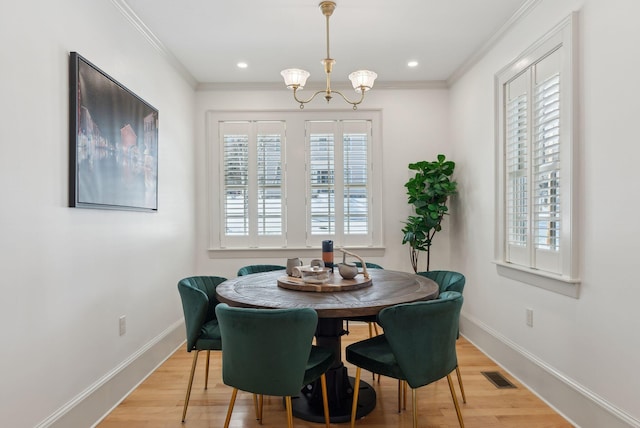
[
  {"x": 573, "y": 401},
  {"x": 96, "y": 402}
]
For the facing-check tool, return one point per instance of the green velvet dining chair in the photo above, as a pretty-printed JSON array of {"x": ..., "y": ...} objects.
[
  {"x": 448, "y": 280},
  {"x": 270, "y": 352},
  {"x": 198, "y": 295},
  {"x": 418, "y": 347},
  {"x": 369, "y": 265},
  {"x": 248, "y": 270}
]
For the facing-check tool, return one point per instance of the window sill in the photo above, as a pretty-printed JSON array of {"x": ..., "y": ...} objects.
[
  {"x": 556, "y": 283},
  {"x": 286, "y": 252}
]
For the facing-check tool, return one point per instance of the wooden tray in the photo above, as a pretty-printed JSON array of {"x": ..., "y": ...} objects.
[{"x": 335, "y": 283}]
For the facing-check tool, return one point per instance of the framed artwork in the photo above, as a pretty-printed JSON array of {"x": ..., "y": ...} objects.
[{"x": 113, "y": 142}]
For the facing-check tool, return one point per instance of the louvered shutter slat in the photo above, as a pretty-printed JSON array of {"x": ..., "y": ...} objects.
[
  {"x": 321, "y": 156},
  {"x": 356, "y": 207},
  {"x": 270, "y": 184},
  {"x": 236, "y": 173},
  {"x": 546, "y": 158},
  {"x": 517, "y": 167}
]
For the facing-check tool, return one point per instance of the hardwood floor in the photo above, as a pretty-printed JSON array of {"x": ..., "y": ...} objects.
[{"x": 159, "y": 400}]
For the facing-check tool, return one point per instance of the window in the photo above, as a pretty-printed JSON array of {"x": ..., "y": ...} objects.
[
  {"x": 315, "y": 168},
  {"x": 536, "y": 192}
]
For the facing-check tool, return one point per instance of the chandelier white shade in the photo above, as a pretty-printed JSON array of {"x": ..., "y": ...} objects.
[
  {"x": 362, "y": 79},
  {"x": 295, "y": 78}
]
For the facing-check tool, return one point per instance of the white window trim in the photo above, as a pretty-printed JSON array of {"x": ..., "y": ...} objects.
[
  {"x": 567, "y": 283},
  {"x": 296, "y": 244}
]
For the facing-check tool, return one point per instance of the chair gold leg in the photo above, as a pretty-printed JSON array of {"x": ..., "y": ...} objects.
[
  {"x": 186, "y": 399},
  {"x": 206, "y": 371},
  {"x": 356, "y": 391},
  {"x": 464, "y": 397},
  {"x": 261, "y": 407},
  {"x": 370, "y": 325},
  {"x": 287, "y": 401},
  {"x": 415, "y": 408},
  {"x": 325, "y": 400},
  {"x": 404, "y": 395},
  {"x": 375, "y": 327},
  {"x": 255, "y": 406},
  {"x": 455, "y": 401},
  {"x": 230, "y": 409}
]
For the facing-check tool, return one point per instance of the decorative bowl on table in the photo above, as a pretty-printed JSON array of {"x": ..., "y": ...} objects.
[{"x": 315, "y": 274}]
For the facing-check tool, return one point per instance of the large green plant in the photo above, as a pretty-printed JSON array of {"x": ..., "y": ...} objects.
[{"x": 428, "y": 192}]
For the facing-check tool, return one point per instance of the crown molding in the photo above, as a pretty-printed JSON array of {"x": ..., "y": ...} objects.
[
  {"x": 497, "y": 36},
  {"x": 137, "y": 23}
]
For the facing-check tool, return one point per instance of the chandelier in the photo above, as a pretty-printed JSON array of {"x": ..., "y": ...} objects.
[{"x": 294, "y": 78}]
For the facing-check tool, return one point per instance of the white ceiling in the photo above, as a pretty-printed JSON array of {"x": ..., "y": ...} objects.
[{"x": 209, "y": 37}]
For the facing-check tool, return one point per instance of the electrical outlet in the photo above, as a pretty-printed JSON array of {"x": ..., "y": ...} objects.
[
  {"x": 123, "y": 325},
  {"x": 530, "y": 317}
]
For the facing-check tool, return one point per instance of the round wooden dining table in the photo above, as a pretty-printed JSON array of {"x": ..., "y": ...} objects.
[{"x": 387, "y": 288}]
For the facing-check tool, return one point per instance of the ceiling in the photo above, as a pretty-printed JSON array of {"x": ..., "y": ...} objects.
[{"x": 207, "y": 38}]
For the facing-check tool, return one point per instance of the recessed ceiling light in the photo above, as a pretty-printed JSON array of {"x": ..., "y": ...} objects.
[
  {"x": 242, "y": 65},
  {"x": 412, "y": 64}
]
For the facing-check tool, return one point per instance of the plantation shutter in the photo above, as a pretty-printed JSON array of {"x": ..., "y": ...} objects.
[
  {"x": 252, "y": 181},
  {"x": 533, "y": 166},
  {"x": 235, "y": 179},
  {"x": 339, "y": 174},
  {"x": 356, "y": 182},
  {"x": 546, "y": 159},
  {"x": 321, "y": 167},
  {"x": 517, "y": 173},
  {"x": 270, "y": 189}
]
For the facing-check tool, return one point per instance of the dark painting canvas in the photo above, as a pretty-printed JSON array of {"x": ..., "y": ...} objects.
[{"x": 114, "y": 143}]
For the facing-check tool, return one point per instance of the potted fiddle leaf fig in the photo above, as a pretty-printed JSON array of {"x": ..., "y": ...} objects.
[{"x": 428, "y": 191}]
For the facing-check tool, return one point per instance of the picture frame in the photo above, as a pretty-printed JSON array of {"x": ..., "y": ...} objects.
[{"x": 113, "y": 142}]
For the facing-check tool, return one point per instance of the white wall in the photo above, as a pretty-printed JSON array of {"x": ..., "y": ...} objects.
[
  {"x": 67, "y": 273},
  {"x": 590, "y": 344},
  {"x": 415, "y": 127}
]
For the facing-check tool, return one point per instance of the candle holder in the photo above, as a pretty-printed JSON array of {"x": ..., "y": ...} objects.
[{"x": 327, "y": 254}]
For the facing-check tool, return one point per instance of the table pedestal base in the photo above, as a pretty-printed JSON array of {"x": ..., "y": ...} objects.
[{"x": 308, "y": 405}]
